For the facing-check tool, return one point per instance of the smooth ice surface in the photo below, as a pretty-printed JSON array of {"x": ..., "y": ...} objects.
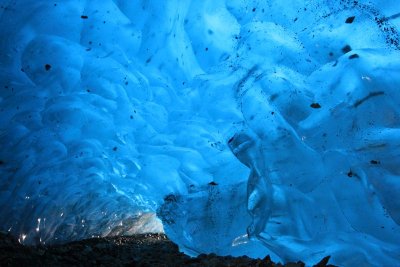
[{"x": 277, "y": 120}]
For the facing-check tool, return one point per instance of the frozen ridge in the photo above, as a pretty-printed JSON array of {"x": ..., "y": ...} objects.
[{"x": 248, "y": 127}]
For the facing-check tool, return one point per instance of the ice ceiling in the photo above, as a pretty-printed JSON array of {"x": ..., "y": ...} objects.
[{"x": 275, "y": 119}]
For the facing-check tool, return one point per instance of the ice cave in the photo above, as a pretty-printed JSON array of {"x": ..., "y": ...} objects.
[{"x": 237, "y": 127}]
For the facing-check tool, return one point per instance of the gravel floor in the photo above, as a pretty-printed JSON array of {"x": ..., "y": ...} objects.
[{"x": 138, "y": 250}]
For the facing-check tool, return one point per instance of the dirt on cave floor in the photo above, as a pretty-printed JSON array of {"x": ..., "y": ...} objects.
[{"x": 137, "y": 250}]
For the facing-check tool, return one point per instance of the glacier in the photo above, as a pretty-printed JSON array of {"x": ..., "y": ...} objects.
[{"x": 237, "y": 127}]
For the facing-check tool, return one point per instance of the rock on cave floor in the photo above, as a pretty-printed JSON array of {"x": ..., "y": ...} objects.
[{"x": 137, "y": 250}]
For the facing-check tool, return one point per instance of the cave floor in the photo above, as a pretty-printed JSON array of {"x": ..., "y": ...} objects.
[{"x": 137, "y": 250}]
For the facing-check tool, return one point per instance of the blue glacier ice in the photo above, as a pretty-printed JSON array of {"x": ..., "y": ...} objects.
[{"x": 237, "y": 127}]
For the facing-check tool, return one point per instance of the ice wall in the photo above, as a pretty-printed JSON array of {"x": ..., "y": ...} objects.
[
  {"x": 271, "y": 119},
  {"x": 98, "y": 118}
]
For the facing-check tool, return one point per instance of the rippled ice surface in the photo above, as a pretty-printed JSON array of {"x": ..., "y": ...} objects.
[{"x": 274, "y": 120}]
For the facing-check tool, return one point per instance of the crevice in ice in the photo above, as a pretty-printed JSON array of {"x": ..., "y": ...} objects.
[{"x": 370, "y": 95}]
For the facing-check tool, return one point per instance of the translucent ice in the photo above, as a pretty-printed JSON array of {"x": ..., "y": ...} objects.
[{"x": 271, "y": 120}]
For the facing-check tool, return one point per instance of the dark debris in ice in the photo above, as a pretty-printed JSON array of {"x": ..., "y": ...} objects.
[
  {"x": 315, "y": 105},
  {"x": 170, "y": 198},
  {"x": 346, "y": 49},
  {"x": 350, "y": 20},
  {"x": 354, "y": 56}
]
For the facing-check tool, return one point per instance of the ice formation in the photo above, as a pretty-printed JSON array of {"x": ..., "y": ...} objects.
[{"x": 277, "y": 120}]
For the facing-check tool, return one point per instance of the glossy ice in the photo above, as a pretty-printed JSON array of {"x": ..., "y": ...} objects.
[{"x": 273, "y": 119}]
